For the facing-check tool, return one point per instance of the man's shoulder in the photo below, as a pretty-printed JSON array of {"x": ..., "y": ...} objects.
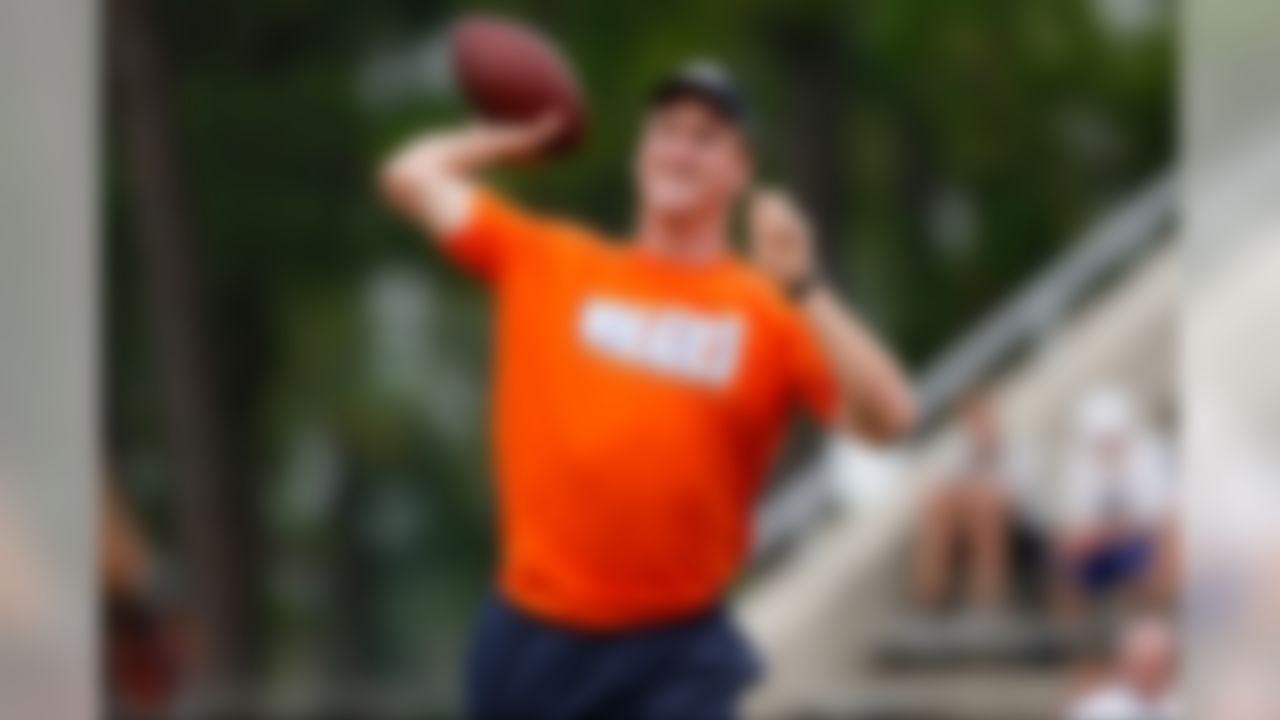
[
  {"x": 577, "y": 230},
  {"x": 579, "y": 239},
  {"x": 533, "y": 216},
  {"x": 567, "y": 235}
]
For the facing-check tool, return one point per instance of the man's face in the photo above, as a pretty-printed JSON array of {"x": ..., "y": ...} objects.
[{"x": 690, "y": 161}]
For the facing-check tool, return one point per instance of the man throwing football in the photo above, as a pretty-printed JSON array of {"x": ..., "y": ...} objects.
[{"x": 642, "y": 388}]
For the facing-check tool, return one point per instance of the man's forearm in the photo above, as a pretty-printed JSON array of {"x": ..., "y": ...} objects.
[
  {"x": 878, "y": 403},
  {"x": 430, "y": 180},
  {"x": 877, "y": 397}
]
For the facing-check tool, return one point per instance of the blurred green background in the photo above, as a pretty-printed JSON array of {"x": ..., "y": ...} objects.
[{"x": 947, "y": 149}]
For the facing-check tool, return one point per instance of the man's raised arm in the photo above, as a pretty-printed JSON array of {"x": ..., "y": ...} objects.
[
  {"x": 430, "y": 180},
  {"x": 877, "y": 401}
]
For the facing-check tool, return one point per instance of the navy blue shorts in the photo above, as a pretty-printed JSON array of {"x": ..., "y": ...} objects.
[
  {"x": 522, "y": 667},
  {"x": 1119, "y": 561}
]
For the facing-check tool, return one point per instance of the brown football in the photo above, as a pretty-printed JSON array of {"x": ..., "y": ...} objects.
[{"x": 509, "y": 71}]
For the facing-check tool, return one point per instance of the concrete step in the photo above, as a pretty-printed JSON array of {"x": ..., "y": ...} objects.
[{"x": 955, "y": 695}]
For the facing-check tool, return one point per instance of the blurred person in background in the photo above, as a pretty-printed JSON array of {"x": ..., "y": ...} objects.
[
  {"x": 147, "y": 650},
  {"x": 1141, "y": 685},
  {"x": 965, "y": 530},
  {"x": 1117, "y": 515},
  {"x": 641, "y": 391}
]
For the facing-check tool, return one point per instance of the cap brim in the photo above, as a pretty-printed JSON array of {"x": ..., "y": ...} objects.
[{"x": 722, "y": 102}]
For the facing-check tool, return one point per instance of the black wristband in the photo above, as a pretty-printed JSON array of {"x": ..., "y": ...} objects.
[{"x": 802, "y": 287}]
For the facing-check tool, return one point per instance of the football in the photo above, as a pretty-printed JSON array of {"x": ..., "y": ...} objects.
[{"x": 508, "y": 71}]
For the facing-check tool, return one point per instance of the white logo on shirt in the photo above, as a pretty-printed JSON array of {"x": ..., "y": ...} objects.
[{"x": 669, "y": 340}]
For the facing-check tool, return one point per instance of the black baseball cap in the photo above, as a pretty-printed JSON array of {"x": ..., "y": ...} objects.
[{"x": 708, "y": 81}]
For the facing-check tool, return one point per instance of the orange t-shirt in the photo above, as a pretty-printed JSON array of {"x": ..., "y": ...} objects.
[{"x": 638, "y": 406}]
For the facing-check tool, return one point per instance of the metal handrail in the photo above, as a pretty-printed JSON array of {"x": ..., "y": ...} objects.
[{"x": 1114, "y": 243}]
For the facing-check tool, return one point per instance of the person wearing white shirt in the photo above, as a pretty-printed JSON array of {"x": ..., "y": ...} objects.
[{"x": 1114, "y": 530}]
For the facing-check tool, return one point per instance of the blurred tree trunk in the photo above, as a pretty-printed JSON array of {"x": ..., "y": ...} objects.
[
  {"x": 819, "y": 111},
  {"x": 211, "y": 503}
]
